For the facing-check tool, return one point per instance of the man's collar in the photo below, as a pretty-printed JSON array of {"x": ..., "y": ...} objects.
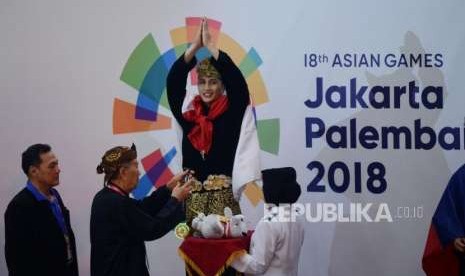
[{"x": 36, "y": 193}]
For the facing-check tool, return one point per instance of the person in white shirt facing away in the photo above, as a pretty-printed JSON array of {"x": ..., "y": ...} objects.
[{"x": 278, "y": 237}]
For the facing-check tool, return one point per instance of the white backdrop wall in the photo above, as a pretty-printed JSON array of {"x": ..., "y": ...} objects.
[{"x": 60, "y": 70}]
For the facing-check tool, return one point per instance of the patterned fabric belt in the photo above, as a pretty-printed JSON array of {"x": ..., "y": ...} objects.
[
  {"x": 212, "y": 183},
  {"x": 211, "y": 197}
]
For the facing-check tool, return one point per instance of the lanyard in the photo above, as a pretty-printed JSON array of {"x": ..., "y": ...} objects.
[{"x": 117, "y": 189}]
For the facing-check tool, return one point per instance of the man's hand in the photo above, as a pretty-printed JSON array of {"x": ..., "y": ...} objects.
[
  {"x": 459, "y": 244},
  {"x": 197, "y": 42},
  {"x": 207, "y": 39},
  {"x": 206, "y": 36},
  {"x": 182, "y": 191},
  {"x": 195, "y": 45},
  {"x": 179, "y": 178}
]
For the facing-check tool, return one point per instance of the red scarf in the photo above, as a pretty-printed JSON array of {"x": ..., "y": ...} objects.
[{"x": 201, "y": 135}]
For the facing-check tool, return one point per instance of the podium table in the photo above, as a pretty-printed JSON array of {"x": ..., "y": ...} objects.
[{"x": 212, "y": 257}]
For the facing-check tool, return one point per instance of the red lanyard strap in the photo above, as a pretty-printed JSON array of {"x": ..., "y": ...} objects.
[{"x": 117, "y": 189}]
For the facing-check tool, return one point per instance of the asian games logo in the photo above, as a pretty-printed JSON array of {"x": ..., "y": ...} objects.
[{"x": 148, "y": 117}]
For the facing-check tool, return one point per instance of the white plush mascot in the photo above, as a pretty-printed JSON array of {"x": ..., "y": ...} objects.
[{"x": 216, "y": 227}]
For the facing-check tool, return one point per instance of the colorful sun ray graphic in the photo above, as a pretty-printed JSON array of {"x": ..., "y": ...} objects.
[{"x": 146, "y": 71}]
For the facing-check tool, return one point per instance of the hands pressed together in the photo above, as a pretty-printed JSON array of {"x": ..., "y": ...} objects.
[{"x": 202, "y": 38}]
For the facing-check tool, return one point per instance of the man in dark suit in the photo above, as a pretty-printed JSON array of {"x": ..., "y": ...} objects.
[{"x": 38, "y": 235}]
